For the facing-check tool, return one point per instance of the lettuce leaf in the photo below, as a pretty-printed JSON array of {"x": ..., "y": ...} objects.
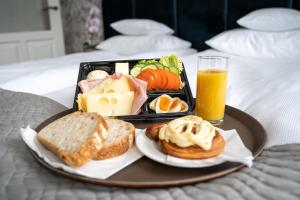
[{"x": 172, "y": 61}]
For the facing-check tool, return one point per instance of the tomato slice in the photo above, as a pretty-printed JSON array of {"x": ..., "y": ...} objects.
[
  {"x": 176, "y": 81},
  {"x": 157, "y": 79},
  {"x": 173, "y": 81},
  {"x": 164, "y": 79},
  {"x": 160, "y": 79},
  {"x": 149, "y": 76}
]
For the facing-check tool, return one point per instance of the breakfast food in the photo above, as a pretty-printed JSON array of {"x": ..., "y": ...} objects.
[
  {"x": 116, "y": 95},
  {"x": 152, "y": 131},
  {"x": 190, "y": 137},
  {"x": 194, "y": 152},
  {"x": 163, "y": 74},
  {"x": 124, "y": 94},
  {"x": 122, "y": 68},
  {"x": 120, "y": 138},
  {"x": 97, "y": 74},
  {"x": 160, "y": 79},
  {"x": 167, "y": 104},
  {"x": 110, "y": 104},
  {"x": 75, "y": 138},
  {"x": 112, "y": 85},
  {"x": 170, "y": 63}
]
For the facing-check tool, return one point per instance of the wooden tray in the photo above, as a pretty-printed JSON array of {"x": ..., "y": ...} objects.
[{"x": 146, "y": 173}]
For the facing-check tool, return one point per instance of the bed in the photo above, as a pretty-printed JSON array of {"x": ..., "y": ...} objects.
[{"x": 268, "y": 89}]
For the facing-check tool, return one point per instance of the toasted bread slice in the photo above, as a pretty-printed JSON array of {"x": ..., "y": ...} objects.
[
  {"x": 75, "y": 138},
  {"x": 120, "y": 138}
]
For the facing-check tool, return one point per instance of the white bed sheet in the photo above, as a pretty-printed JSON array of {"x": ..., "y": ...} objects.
[{"x": 267, "y": 89}]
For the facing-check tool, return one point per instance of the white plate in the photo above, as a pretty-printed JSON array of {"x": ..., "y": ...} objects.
[{"x": 152, "y": 150}]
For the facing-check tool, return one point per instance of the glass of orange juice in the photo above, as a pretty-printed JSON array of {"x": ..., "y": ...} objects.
[{"x": 211, "y": 88}]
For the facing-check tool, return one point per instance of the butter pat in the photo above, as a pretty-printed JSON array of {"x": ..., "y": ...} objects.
[
  {"x": 97, "y": 74},
  {"x": 122, "y": 68},
  {"x": 110, "y": 104}
]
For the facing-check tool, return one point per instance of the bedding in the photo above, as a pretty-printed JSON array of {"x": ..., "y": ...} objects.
[
  {"x": 130, "y": 45},
  {"x": 271, "y": 19},
  {"x": 257, "y": 44},
  {"x": 268, "y": 89},
  {"x": 141, "y": 27},
  {"x": 274, "y": 175}
]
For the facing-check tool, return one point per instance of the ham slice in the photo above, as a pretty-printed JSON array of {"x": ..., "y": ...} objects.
[
  {"x": 87, "y": 85},
  {"x": 138, "y": 86},
  {"x": 140, "y": 94}
]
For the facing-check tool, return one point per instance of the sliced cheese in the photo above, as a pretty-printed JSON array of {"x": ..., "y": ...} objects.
[
  {"x": 122, "y": 68},
  {"x": 110, "y": 104},
  {"x": 111, "y": 85},
  {"x": 81, "y": 101}
]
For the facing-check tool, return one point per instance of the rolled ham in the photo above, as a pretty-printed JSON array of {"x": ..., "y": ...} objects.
[{"x": 87, "y": 85}]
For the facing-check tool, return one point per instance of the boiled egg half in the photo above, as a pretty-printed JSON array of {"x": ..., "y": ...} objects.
[{"x": 167, "y": 104}]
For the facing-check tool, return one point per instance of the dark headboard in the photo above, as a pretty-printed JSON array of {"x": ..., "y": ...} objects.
[{"x": 192, "y": 20}]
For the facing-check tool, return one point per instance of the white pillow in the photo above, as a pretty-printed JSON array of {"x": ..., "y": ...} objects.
[
  {"x": 250, "y": 43},
  {"x": 158, "y": 54},
  {"x": 128, "y": 45},
  {"x": 271, "y": 19},
  {"x": 141, "y": 27}
]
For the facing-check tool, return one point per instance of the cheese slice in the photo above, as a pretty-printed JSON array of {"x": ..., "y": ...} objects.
[
  {"x": 110, "y": 104},
  {"x": 81, "y": 102},
  {"x": 111, "y": 85},
  {"x": 122, "y": 68}
]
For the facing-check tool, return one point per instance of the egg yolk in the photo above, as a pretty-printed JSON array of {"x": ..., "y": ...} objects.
[
  {"x": 183, "y": 107},
  {"x": 164, "y": 103},
  {"x": 175, "y": 103}
]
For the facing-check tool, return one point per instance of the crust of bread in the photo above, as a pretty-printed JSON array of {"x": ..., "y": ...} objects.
[
  {"x": 77, "y": 158},
  {"x": 87, "y": 150},
  {"x": 102, "y": 122},
  {"x": 119, "y": 147},
  {"x": 194, "y": 152}
]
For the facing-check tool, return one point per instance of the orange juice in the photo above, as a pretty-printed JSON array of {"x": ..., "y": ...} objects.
[{"x": 211, "y": 94}]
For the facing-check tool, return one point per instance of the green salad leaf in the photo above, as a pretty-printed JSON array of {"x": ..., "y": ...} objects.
[{"x": 172, "y": 61}]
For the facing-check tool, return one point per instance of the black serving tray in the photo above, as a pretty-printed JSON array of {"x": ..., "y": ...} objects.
[{"x": 146, "y": 113}]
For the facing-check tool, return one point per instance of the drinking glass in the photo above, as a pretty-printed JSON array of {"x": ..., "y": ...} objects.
[{"x": 211, "y": 88}]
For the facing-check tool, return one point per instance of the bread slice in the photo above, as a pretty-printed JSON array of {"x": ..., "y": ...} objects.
[
  {"x": 120, "y": 138},
  {"x": 75, "y": 138}
]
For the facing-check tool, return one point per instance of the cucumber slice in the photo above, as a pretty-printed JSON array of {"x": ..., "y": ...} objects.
[
  {"x": 175, "y": 70},
  {"x": 167, "y": 68},
  {"x": 136, "y": 70},
  {"x": 159, "y": 66},
  {"x": 151, "y": 66}
]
